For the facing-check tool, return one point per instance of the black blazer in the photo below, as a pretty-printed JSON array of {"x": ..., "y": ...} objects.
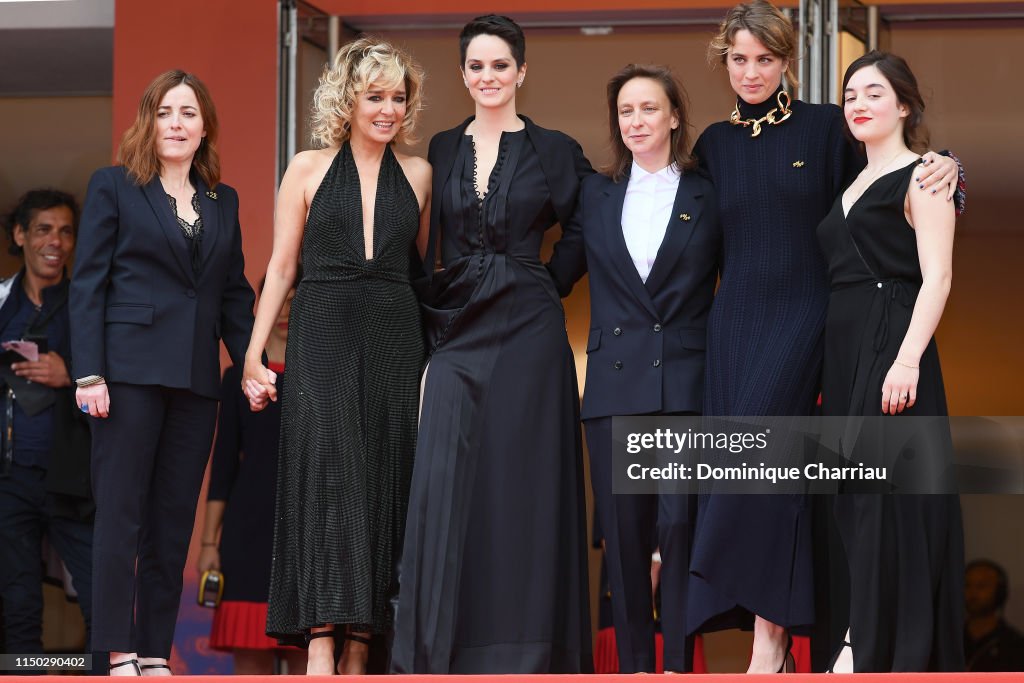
[
  {"x": 645, "y": 353},
  {"x": 138, "y": 313},
  {"x": 561, "y": 159},
  {"x": 68, "y": 470}
]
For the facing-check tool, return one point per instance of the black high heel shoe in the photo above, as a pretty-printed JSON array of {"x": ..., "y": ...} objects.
[
  {"x": 835, "y": 658},
  {"x": 355, "y": 638},
  {"x": 134, "y": 662},
  {"x": 153, "y": 666},
  {"x": 788, "y": 665}
]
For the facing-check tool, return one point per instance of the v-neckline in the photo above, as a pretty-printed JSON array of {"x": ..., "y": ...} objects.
[
  {"x": 847, "y": 212},
  {"x": 476, "y": 177},
  {"x": 376, "y": 202}
]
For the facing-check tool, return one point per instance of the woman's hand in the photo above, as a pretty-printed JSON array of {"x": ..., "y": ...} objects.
[
  {"x": 49, "y": 370},
  {"x": 94, "y": 400},
  {"x": 258, "y": 385},
  {"x": 935, "y": 172},
  {"x": 209, "y": 558},
  {"x": 899, "y": 390}
]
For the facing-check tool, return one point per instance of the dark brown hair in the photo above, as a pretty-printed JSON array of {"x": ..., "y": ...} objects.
[
  {"x": 766, "y": 23},
  {"x": 901, "y": 78},
  {"x": 680, "y": 137},
  {"x": 138, "y": 146},
  {"x": 498, "y": 26},
  {"x": 30, "y": 204}
]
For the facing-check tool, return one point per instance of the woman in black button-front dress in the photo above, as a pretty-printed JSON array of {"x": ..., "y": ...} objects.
[{"x": 494, "y": 568}]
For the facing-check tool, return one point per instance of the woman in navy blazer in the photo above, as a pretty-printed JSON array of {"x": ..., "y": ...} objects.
[
  {"x": 158, "y": 281},
  {"x": 647, "y": 229}
]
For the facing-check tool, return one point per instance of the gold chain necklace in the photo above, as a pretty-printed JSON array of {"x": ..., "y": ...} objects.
[{"x": 768, "y": 118}]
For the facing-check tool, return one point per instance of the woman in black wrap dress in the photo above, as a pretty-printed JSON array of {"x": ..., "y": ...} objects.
[
  {"x": 494, "y": 568},
  {"x": 890, "y": 253},
  {"x": 354, "y": 358}
]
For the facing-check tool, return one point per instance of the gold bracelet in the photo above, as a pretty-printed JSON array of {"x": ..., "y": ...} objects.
[{"x": 912, "y": 367}]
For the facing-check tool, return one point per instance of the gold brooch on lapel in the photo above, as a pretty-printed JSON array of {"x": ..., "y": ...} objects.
[
  {"x": 684, "y": 216},
  {"x": 798, "y": 164},
  {"x": 212, "y": 195}
]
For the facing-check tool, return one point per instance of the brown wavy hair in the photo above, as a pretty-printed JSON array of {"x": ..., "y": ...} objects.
[
  {"x": 676, "y": 95},
  {"x": 766, "y": 23},
  {"x": 138, "y": 145},
  {"x": 904, "y": 84}
]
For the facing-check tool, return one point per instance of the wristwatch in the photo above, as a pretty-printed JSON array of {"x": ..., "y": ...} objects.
[{"x": 89, "y": 380}]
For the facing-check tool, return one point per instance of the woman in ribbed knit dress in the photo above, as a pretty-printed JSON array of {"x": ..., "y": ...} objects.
[{"x": 777, "y": 166}]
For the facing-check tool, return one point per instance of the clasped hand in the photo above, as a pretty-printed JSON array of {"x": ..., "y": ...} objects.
[{"x": 259, "y": 384}]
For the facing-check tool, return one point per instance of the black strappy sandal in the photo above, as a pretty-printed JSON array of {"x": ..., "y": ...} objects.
[
  {"x": 154, "y": 666},
  {"x": 835, "y": 657},
  {"x": 356, "y": 638},
  {"x": 134, "y": 662},
  {"x": 319, "y": 634},
  {"x": 788, "y": 665}
]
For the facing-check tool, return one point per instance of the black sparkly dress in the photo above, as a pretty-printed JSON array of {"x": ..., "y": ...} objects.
[
  {"x": 494, "y": 569},
  {"x": 348, "y": 424},
  {"x": 752, "y": 554},
  {"x": 905, "y": 552}
]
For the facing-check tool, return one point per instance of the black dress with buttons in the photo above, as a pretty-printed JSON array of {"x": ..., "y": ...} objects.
[
  {"x": 494, "y": 570},
  {"x": 905, "y": 552}
]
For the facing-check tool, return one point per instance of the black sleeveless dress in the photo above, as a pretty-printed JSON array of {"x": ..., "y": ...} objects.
[
  {"x": 348, "y": 423},
  {"x": 905, "y": 552}
]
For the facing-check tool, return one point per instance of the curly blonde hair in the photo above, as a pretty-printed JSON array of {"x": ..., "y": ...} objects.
[{"x": 357, "y": 66}]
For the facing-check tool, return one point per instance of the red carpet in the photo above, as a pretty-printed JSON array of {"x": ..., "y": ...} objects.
[{"x": 690, "y": 678}]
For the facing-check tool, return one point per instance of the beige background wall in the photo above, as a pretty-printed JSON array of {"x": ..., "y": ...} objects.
[
  {"x": 964, "y": 75},
  {"x": 50, "y": 142}
]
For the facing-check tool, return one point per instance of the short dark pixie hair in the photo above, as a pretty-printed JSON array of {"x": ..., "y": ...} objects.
[
  {"x": 494, "y": 25},
  {"x": 31, "y": 203}
]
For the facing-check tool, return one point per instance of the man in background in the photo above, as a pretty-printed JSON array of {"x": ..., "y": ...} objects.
[
  {"x": 44, "y": 440},
  {"x": 990, "y": 644}
]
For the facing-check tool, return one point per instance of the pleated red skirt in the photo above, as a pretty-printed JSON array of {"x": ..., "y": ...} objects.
[{"x": 239, "y": 625}]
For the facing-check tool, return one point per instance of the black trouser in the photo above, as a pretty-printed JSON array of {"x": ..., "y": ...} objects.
[
  {"x": 633, "y": 525},
  {"x": 148, "y": 461},
  {"x": 27, "y": 512}
]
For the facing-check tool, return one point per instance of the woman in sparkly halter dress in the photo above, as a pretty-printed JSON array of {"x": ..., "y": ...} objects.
[{"x": 355, "y": 353}]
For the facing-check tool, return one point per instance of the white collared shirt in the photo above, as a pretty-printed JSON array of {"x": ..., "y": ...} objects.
[{"x": 646, "y": 212}]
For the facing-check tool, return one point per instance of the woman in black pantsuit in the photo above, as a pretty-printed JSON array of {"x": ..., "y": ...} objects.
[
  {"x": 647, "y": 230},
  {"x": 158, "y": 281}
]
